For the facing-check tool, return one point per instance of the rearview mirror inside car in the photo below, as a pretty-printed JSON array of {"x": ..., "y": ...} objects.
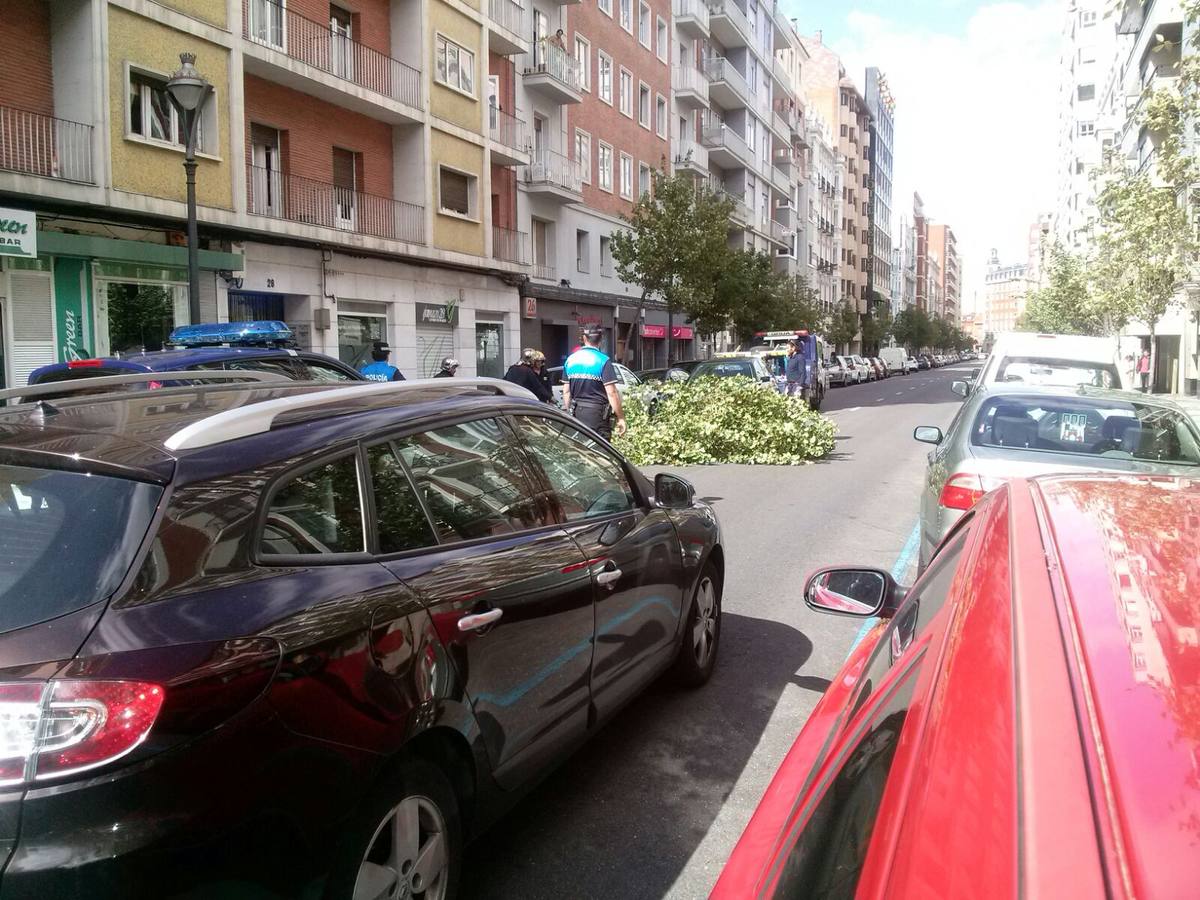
[
  {"x": 673, "y": 492},
  {"x": 860, "y": 593},
  {"x": 927, "y": 434},
  {"x": 960, "y": 387}
]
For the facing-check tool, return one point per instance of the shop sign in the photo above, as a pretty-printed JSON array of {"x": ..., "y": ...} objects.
[
  {"x": 654, "y": 331},
  {"x": 435, "y": 314},
  {"x": 583, "y": 320},
  {"x": 71, "y": 280},
  {"x": 531, "y": 307},
  {"x": 682, "y": 333},
  {"x": 18, "y": 233}
]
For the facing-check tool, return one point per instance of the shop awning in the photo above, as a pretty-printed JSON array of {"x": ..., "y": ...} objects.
[{"x": 57, "y": 243}]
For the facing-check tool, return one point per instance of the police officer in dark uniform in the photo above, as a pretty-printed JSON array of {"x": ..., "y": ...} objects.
[
  {"x": 380, "y": 369},
  {"x": 590, "y": 386}
]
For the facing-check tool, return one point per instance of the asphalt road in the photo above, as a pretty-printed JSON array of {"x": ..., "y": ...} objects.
[{"x": 654, "y": 804}]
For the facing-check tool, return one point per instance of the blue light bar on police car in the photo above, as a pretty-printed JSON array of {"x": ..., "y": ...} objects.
[{"x": 265, "y": 332}]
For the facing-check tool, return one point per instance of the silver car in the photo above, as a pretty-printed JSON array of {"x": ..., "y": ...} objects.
[{"x": 1009, "y": 430}]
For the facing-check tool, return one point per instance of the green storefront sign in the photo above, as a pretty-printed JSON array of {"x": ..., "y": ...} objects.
[
  {"x": 72, "y": 301},
  {"x": 18, "y": 233}
]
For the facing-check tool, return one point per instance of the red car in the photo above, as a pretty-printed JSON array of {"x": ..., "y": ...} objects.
[{"x": 1023, "y": 721}]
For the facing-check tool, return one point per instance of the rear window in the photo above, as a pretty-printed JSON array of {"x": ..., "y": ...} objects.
[
  {"x": 726, "y": 369},
  {"x": 1088, "y": 426},
  {"x": 1038, "y": 370},
  {"x": 66, "y": 539}
]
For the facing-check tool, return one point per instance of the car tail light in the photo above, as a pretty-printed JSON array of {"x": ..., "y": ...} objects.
[
  {"x": 56, "y": 728},
  {"x": 964, "y": 489}
]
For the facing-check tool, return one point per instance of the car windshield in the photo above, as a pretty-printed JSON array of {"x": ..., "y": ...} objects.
[
  {"x": 775, "y": 364},
  {"x": 1049, "y": 372},
  {"x": 1115, "y": 429},
  {"x": 726, "y": 368},
  {"x": 66, "y": 539}
]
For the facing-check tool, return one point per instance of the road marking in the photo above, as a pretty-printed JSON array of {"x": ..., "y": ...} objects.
[
  {"x": 898, "y": 393},
  {"x": 879, "y": 399},
  {"x": 898, "y": 570}
]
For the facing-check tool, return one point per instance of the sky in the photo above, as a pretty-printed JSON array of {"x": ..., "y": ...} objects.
[{"x": 975, "y": 86}]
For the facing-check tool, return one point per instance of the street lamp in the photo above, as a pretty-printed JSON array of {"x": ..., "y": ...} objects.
[{"x": 189, "y": 91}]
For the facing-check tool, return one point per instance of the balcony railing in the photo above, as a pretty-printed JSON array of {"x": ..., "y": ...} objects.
[
  {"x": 544, "y": 271},
  {"x": 557, "y": 63},
  {"x": 317, "y": 45},
  {"x": 688, "y": 152},
  {"x": 551, "y": 168},
  {"x": 507, "y": 129},
  {"x": 510, "y": 16},
  {"x": 718, "y": 68},
  {"x": 689, "y": 78},
  {"x": 716, "y": 135},
  {"x": 732, "y": 12},
  {"x": 46, "y": 146},
  {"x": 692, "y": 9},
  {"x": 279, "y": 195},
  {"x": 511, "y": 246}
]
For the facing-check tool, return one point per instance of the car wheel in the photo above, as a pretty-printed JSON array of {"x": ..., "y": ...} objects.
[
  {"x": 702, "y": 633},
  {"x": 405, "y": 841}
]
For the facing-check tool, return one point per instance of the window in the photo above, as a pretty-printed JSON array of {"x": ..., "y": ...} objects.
[
  {"x": 1087, "y": 54},
  {"x": 626, "y": 176},
  {"x": 583, "y": 256},
  {"x": 585, "y": 481},
  {"x": 152, "y": 115},
  {"x": 456, "y": 192},
  {"x": 583, "y": 61},
  {"x": 644, "y": 106},
  {"x": 645, "y": 18},
  {"x": 455, "y": 66},
  {"x": 845, "y": 130},
  {"x": 472, "y": 481},
  {"x": 1079, "y": 167},
  {"x": 605, "y": 7},
  {"x": 644, "y": 180},
  {"x": 317, "y": 370},
  {"x": 399, "y": 520},
  {"x": 627, "y": 15},
  {"x": 1087, "y": 18},
  {"x": 604, "y": 75},
  {"x": 1086, "y": 92},
  {"x": 606, "y": 268},
  {"x": 606, "y": 167},
  {"x": 1086, "y": 129},
  {"x": 318, "y": 511},
  {"x": 583, "y": 154},
  {"x": 627, "y": 93},
  {"x": 663, "y": 44},
  {"x": 660, "y": 116}
]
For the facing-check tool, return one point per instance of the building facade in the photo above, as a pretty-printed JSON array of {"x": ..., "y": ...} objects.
[
  {"x": 822, "y": 205},
  {"x": 1005, "y": 289},
  {"x": 882, "y": 108},
  {"x": 949, "y": 279},
  {"x": 921, "y": 266}
]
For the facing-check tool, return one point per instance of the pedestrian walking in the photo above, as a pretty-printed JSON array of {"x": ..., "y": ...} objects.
[
  {"x": 793, "y": 371},
  {"x": 449, "y": 367},
  {"x": 523, "y": 372},
  {"x": 380, "y": 369},
  {"x": 1143, "y": 369},
  {"x": 590, "y": 388}
]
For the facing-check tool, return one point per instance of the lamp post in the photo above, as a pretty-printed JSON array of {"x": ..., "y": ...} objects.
[{"x": 189, "y": 91}]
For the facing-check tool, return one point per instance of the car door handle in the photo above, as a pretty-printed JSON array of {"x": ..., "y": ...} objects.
[
  {"x": 608, "y": 576},
  {"x": 479, "y": 620}
]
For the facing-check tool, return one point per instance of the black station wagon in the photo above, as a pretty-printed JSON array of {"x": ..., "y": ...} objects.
[{"x": 291, "y": 640}]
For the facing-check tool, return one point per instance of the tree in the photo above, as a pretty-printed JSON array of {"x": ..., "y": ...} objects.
[
  {"x": 799, "y": 306},
  {"x": 1066, "y": 304},
  {"x": 877, "y": 326},
  {"x": 843, "y": 324},
  {"x": 914, "y": 329},
  {"x": 745, "y": 294},
  {"x": 675, "y": 248}
]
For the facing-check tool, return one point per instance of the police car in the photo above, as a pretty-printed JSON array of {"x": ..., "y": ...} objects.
[{"x": 216, "y": 346}]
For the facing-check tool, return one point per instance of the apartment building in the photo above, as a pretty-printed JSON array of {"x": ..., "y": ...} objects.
[
  {"x": 822, "y": 198},
  {"x": 1004, "y": 294},
  {"x": 831, "y": 92},
  {"x": 345, "y": 161},
  {"x": 949, "y": 277},
  {"x": 882, "y": 108},
  {"x": 904, "y": 268},
  {"x": 921, "y": 266}
]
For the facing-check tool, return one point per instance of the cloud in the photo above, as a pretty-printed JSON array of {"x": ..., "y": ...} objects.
[{"x": 975, "y": 119}]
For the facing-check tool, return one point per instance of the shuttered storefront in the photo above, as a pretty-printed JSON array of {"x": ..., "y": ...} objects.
[{"x": 31, "y": 312}]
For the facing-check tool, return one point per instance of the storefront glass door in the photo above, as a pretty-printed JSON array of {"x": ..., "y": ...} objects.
[
  {"x": 489, "y": 350},
  {"x": 133, "y": 317},
  {"x": 356, "y": 334}
]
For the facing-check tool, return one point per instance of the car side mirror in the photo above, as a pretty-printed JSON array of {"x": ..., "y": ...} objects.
[
  {"x": 928, "y": 434},
  {"x": 673, "y": 492},
  {"x": 859, "y": 593},
  {"x": 960, "y": 387}
]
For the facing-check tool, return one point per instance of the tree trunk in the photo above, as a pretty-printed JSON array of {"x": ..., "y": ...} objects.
[
  {"x": 1153, "y": 358},
  {"x": 670, "y": 333},
  {"x": 637, "y": 318}
]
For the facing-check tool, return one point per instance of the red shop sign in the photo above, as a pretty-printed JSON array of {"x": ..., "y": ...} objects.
[
  {"x": 588, "y": 320},
  {"x": 682, "y": 333},
  {"x": 654, "y": 331}
]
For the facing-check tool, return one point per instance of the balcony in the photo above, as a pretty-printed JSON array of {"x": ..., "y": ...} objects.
[
  {"x": 783, "y": 81},
  {"x": 785, "y": 160},
  {"x": 782, "y": 28},
  {"x": 726, "y": 149},
  {"x": 278, "y": 195},
  {"x": 510, "y": 246},
  {"x": 691, "y": 17},
  {"x": 554, "y": 176},
  {"x": 691, "y": 86},
  {"x": 554, "y": 74},
  {"x": 729, "y": 25},
  {"x": 508, "y": 25},
  {"x": 691, "y": 157},
  {"x": 510, "y": 138},
  {"x": 727, "y": 86},
  {"x": 308, "y": 56},
  {"x": 740, "y": 214},
  {"x": 33, "y": 144},
  {"x": 781, "y": 181},
  {"x": 544, "y": 272}
]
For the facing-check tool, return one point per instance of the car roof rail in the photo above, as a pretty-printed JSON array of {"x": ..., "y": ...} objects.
[
  {"x": 258, "y": 418},
  {"x": 62, "y": 389}
]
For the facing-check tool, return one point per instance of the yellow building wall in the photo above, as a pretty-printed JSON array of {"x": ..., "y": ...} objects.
[
  {"x": 445, "y": 103},
  {"x": 142, "y": 168},
  {"x": 207, "y": 10},
  {"x": 451, "y": 232}
]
